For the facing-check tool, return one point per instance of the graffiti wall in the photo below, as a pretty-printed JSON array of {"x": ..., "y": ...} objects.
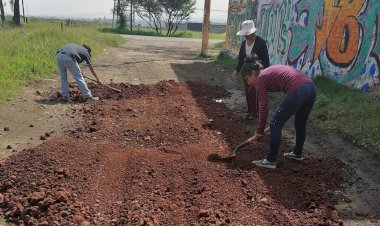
[{"x": 336, "y": 38}]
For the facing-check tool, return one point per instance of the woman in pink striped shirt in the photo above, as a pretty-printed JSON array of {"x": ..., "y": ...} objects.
[{"x": 299, "y": 101}]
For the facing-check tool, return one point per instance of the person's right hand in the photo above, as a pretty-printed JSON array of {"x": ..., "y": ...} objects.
[
  {"x": 234, "y": 75},
  {"x": 257, "y": 136}
]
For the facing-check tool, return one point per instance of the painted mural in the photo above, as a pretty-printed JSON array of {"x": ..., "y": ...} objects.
[{"x": 336, "y": 38}]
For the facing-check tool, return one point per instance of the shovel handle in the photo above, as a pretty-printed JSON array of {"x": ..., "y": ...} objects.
[
  {"x": 240, "y": 146},
  {"x": 109, "y": 87},
  {"x": 245, "y": 143}
]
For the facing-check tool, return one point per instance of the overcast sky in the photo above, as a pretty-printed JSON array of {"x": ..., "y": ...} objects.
[{"x": 102, "y": 8}]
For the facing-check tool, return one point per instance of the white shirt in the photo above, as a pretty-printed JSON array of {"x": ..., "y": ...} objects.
[{"x": 248, "y": 49}]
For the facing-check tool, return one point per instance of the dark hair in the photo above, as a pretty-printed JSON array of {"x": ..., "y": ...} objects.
[
  {"x": 88, "y": 48},
  {"x": 251, "y": 63}
]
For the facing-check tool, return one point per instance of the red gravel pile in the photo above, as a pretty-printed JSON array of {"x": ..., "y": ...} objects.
[{"x": 141, "y": 158}]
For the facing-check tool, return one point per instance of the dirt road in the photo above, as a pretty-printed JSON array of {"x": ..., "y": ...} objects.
[{"x": 141, "y": 157}]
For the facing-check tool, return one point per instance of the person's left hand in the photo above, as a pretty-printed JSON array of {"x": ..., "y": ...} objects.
[{"x": 256, "y": 136}]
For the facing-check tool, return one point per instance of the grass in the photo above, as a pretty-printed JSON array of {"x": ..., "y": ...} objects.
[
  {"x": 178, "y": 34},
  {"x": 27, "y": 51},
  {"x": 219, "y": 36},
  {"x": 347, "y": 111},
  {"x": 227, "y": 63},
  {"x": 340, "y": 109}
]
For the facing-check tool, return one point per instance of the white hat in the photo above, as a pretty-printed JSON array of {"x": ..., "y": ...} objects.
[{"x": 247, "y": 28}]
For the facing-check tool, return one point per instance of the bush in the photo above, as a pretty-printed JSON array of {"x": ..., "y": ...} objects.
[{"x": 226, "y": 54}]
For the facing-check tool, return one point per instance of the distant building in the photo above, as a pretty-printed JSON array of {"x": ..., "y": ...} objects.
[
  {"x": 214, "y": 27},
  {"x": 194, "y": 26}
]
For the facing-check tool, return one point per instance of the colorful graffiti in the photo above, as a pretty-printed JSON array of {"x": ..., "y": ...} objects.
[{"x": 336, "y": 38}]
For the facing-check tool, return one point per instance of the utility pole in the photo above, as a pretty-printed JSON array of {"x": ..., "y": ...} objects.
[
  {"x": 206, "y": 23},
  {"x": 23, "y": 11},
  {"x": 2, "y": 13},
  {"x": 228, "y": 28},
  {"x": 113, "y": 13},
  {"x": 131, "y": 16},
  {"x": 16, "y": 12}
]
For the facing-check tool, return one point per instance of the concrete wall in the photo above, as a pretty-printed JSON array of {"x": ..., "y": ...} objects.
[{"x": 336, "y": 38}]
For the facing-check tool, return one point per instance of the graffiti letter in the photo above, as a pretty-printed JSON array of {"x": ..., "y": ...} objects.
[
  {"x": 343, "y": 41},
  {"x": 324, "y": 26}
]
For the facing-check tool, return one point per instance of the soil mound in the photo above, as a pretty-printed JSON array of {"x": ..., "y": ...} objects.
[{"x": 142, "y": 157}]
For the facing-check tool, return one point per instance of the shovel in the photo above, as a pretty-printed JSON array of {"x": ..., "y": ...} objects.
[
  {"x": 216, "y": 157},
  {"x": 109, "y": 87},
  {"x": 240, "y": 146}
]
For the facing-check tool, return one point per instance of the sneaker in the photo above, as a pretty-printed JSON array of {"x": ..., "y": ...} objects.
[
  {"x": 250, "y": 117},
  {"x": 92, "y": 98},
  {"x": 265, "y": 164},
  {"x": 294, "y": 156}
]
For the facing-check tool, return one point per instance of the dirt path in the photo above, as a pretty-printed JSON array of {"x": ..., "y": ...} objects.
[{"x": 160, "y": 137}]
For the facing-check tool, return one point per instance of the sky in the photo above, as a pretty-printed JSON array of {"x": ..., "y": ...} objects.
[{"x": 102, "y": 9}]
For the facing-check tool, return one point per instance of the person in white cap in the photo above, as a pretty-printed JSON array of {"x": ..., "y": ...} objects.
[{"x": 252, "y": 44}]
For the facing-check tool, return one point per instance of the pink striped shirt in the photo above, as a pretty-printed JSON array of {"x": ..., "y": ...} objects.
[{"x": 276, "y": 78}]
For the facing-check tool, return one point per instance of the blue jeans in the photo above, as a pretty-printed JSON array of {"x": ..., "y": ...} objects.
[
  {"x": 65, "y": 63},
  {"x": 298, "y": 103}
]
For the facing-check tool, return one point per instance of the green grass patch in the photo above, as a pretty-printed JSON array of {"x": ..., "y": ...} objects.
[
  {"x": 339, "y": 109},
  {"x": 347, "y": 111},
  {"x": 178, "y": 34},
  {"x": 27, "y": 51},
  {"x": 227, "y": 63},
  {"x": 198, "y": 34}
]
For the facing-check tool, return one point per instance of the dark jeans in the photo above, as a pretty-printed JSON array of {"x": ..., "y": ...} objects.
[
  {"x": 298, "y": 103},
  {"x": 250, "y": 95}
]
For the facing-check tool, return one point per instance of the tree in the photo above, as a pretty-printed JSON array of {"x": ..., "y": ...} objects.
[
  {"x": 121, "y": 8},
  {"x": 131, "y": 4},
  {"x": 23, "y": 11},
  {"x": 16, "y": 11},
  {"x": 2, "y": 11},
  {"x": 173, "y": 13},
  {"x": 176, "y": 12},
  {"x": 113, "y": 12},
  {"x": 151, "y": 12}
]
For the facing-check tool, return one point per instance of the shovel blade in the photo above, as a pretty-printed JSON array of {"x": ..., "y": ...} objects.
[{"x": 218, "y": 158}]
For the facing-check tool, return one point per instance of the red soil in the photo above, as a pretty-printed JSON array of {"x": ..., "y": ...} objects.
[{"x": 142, "y": 158}]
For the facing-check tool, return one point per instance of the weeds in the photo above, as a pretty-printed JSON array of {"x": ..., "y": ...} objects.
[
  {"x": 339, "y": 108},
  {"x": 227, "y": 59}
]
